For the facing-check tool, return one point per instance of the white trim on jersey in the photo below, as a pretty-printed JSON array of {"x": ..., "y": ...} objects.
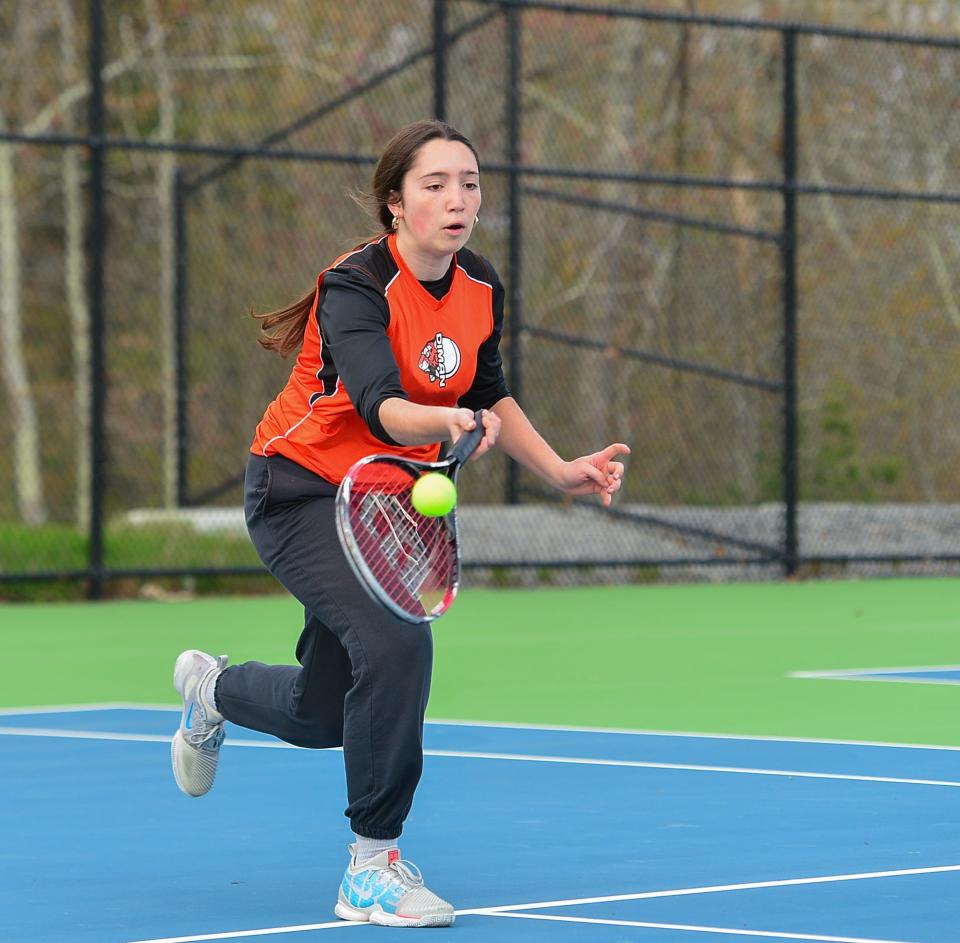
[
  {"x": 285, "y": 434},
  {"x": 373, "y": 242},
  {"x": 386, "y": 287},
  {"x": 472, "y": 279}
]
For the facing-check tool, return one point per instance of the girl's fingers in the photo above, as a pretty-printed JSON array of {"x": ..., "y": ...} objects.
[
  {"x": 618, "y": 448},
  {"x": 594, "y": 473}
]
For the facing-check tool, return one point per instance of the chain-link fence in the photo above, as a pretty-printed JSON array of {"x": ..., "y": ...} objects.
[{"x": 732, "y": 244}]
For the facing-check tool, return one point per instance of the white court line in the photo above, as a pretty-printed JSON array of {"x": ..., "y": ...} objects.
[
  {"x": 72, "y": 708},
  {"x": 511, "y": 757},
  {"x": 717, "y": 889},
  {"x": 59, "y": 708},
  {"x": 497, "y": 725},
  {"x": 506, "y": 910},
  {"x": 883, "y": 680},
  {"x": 729, "y": 931},
  {"x": 129, "y": 737},
  {"x": 266, "y": 931},
  {"x": 842, "y": 672},
  {"x": 692, "y": 767},
  {"x": 877, "y": 674},
  {"x": 690, "y": 734}
]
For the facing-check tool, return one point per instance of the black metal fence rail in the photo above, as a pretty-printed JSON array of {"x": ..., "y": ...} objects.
[{"x": 525, "y": 181}]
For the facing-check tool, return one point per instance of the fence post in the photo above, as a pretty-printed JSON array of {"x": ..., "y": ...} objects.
[
  {"x": 180, "y": 191},
  {"x": 440, "y": 59},
  {"x": 96, "y": 235},
  {"x": 514, "y": 25},
  {"x": 788, "y": 256}
]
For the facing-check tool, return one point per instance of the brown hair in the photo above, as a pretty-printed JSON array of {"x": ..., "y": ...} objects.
[{"x": 282, "y": 330}]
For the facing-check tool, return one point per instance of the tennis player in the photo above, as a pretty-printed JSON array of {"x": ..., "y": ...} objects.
[{"x": 398, "y": 346}]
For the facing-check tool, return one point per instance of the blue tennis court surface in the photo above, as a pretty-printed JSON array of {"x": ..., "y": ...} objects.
[{"x": 534, "y": 834}]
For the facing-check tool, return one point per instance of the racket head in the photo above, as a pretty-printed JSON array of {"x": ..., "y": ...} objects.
[{"x": 408, "y": 562}]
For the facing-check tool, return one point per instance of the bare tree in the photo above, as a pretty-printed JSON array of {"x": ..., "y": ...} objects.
[
  {"x": 74, "y": 274},
  {"x": 27, "y": 466},
  {"x": 165, "y": 184},
  {"x": 27, "y": 473}
]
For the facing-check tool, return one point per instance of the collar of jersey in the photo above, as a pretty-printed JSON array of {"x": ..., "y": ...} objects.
[{"x": 414, "y": 282}]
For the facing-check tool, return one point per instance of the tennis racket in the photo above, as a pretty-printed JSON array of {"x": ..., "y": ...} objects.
[{"x": 406, "y": 561}]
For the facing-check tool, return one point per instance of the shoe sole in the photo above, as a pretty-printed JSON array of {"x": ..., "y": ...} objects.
[
  {"x": 176, "y": 745},
  {"x": 380, "y": 918}
]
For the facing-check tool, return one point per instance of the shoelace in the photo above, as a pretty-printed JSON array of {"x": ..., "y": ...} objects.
[
  {"x": 410, "y": 875},
  {"x": 206, "y": 736}
]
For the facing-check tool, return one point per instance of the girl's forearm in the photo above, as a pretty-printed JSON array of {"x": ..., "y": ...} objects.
[
  {"x": 521, "y": 441},
  {"x": 412, "y": 424}
]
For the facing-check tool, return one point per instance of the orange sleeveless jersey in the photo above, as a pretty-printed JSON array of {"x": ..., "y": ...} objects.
[{"x": 435, "y": 344}]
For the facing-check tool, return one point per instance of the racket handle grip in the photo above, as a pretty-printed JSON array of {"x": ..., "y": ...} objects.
[{"x": 467, "y": 444}]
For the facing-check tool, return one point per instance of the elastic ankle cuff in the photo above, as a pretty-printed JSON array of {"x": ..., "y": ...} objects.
[
  {"x": 371, "y": 831},
  {"x": 207, "y": 691},
  {"x": 215, "y": 692}
]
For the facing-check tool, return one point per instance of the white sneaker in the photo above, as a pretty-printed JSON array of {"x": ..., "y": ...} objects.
[
  {"x": 389, "y": 892},
  {"x": 195, "y": 751}
]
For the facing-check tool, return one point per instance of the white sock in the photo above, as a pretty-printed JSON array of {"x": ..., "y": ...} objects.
[
  {"x": 208, "y": 686},
  {"x": 368, "y": 848}
]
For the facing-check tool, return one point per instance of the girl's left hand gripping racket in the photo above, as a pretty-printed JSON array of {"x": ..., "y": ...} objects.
[{"x": 407, "y": 562}]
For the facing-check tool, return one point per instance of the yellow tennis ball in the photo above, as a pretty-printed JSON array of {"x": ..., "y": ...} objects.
[{"x": 434, "y": 494}]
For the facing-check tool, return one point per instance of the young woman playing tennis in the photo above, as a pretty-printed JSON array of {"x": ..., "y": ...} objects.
[{"x": 398, "y": 348}]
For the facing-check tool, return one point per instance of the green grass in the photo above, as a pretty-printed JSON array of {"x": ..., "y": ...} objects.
[
  {"x": 701, "y": 658},
  {"x": 51, "y": 547},
  {"x": 58, "y": 548},
  {"x": 61, "y": 546},
  {"x": 173, "y": 545}
]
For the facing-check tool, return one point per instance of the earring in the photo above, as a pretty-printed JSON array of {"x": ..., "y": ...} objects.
[
  {"x": 476, "y": 219},
  {"x": 396, "y": 222}
]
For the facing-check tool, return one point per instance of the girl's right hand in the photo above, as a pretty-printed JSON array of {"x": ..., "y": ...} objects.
[{"x": 462, "y": 420}]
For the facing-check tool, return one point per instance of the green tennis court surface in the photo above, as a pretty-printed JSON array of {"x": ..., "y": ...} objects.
[{"x": 702, "y": 658}]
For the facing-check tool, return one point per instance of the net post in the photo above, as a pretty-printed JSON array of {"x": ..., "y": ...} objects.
[
  {"x": 514, "y": 28},
  {"x": 440, "y": 59},
  {"x": 96, "y": 234},
  {"x": 788, "y": 259},
  {"x": 180, "y": 192}
]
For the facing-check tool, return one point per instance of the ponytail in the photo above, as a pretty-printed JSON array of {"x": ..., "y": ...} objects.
[{"x": 282, "y": 331}]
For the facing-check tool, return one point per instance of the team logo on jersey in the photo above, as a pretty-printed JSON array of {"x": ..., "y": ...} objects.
[{"x": 440, "y": 359}]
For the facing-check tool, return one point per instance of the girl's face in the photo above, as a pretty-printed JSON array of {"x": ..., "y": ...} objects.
[{"x": 439, "y": 201}]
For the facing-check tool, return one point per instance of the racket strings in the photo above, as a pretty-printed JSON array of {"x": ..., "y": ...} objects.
[
  {"x": 411, "y": 557},
  {"x": 401, "y": 545}
]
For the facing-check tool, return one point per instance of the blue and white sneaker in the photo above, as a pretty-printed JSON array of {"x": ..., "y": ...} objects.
[
  {"x": 195, "y": 751},
  {"x": 389, "y": 892}
]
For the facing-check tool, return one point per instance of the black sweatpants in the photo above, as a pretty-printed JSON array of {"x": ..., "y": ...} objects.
[{"x": 364, "y": 675}]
